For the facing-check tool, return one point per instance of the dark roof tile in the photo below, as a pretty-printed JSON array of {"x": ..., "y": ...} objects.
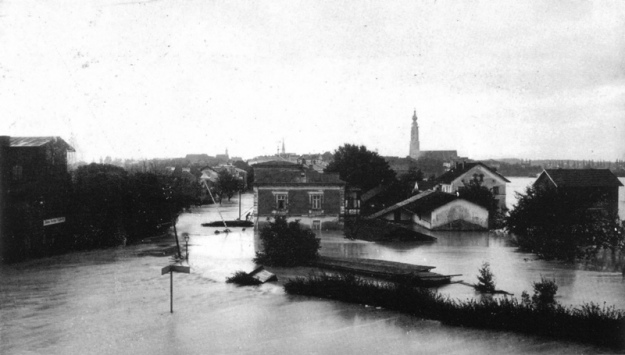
[
  {"x": 583, "y": 177},
  {"x": 18, "y": 142}
]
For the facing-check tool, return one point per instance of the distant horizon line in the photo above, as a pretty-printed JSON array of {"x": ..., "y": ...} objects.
[{"x": 384, "y": 156}]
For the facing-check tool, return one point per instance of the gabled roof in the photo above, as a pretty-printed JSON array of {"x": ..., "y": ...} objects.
[
  {"x": 19, "y": 142},
  {"x": 582, "y": 177},
  {"x": 461, "y": 169}
]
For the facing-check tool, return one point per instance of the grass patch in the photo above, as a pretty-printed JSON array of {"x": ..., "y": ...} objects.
[
  {"x": 242, "y": 278},
  {"x": 589, "y": 323}
]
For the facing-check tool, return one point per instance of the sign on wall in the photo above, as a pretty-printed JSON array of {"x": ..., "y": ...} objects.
[{"x": 47, "y": 222}]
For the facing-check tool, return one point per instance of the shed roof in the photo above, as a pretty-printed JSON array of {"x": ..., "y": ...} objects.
[
  {"x": 401, "y": 204},
  {"x": 431, "y": 202},
  {"x": 582, "y": 177},
  {"x": 19, "y": 142}
]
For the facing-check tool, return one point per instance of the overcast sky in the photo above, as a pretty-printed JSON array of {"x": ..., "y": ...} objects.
[{"x": 166, "y": 78}]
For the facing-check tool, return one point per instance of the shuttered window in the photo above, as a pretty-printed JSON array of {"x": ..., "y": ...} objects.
[{"x": 282, "y": 201}]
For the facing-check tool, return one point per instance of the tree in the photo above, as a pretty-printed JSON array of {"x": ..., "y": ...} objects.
[
  {"x": 97, "y": 206},
  {"x": 227, "y": 184},
  {"x": 360, "y": 168},
  {"x": 558, "y": 225},
  {"x": 400, "y": 189},
  {"x": 486, "y": 279},
  {"x": 473, "y": 191},
  {"x": 287, "y": 244},
  {"x": 248, "y": 169}
]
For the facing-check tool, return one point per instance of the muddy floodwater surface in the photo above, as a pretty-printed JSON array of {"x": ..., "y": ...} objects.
[{"x": 116, "y": 301}]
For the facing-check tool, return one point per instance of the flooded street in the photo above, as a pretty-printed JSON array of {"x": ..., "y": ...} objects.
[{"x": 117, "y": 302}]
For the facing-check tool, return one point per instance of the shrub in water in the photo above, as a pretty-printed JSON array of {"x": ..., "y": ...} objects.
[
  {"x": 287, "y": 244},
  {"x": 242, "y": 278},
  {"x": 486, "y": 279},
  {"x": 544, "y": 292}
]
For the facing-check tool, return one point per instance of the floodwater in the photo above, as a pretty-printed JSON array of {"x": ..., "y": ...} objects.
[{"x": 117, "y": 302}]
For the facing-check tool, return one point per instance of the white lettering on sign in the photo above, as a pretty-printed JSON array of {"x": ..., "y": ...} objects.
[{"x": 47, "y": 222}]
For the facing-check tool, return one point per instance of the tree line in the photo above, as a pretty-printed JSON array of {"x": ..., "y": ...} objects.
[{"x": 104, "y": 205}]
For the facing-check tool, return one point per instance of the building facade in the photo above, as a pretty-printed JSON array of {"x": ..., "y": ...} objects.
[
  {"x": 462, "y": 173},
  {"x": 291, "y": 190},
  {"x": 440, "y": 211}
]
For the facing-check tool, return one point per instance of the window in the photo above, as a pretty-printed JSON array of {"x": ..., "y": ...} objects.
[
  {"x": 316, "y": 225},
  {"x": 315, "y": 201},
  {"x": 17, "y": 172},
  {"x": 282, "y": 201},
  {"x": 496, "y": 190}
]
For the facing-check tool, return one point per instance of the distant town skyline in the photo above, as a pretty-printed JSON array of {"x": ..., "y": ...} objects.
[{"x": 530, "y": 80}]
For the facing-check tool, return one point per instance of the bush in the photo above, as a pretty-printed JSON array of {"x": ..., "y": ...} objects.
[
  {"x": 545, "y": 293},
  {"x": 287, "y": 244},
  {"x": 486, "y": 279},
  {"x": 242, "y": 278}
]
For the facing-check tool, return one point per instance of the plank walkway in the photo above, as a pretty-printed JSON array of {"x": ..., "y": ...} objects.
[{"x": 418, "y": 275}]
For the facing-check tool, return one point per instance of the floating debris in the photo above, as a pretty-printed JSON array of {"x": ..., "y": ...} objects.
[{"x": 234, "y": 223}]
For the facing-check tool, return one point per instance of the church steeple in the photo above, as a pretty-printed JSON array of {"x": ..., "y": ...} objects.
[
  {"x": 283, "y": 150},
  {"x": 414, "y": 137}
]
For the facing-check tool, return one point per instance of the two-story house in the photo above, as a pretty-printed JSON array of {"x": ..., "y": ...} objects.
[
  {"x": 298, "y": 193},
  {"x": 462, "y": 173},
  {"x": 597, "y": 186}
]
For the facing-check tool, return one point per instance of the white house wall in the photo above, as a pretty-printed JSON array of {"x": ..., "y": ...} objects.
[
  {"x": 490, "y": 180},
  {"x": 459, "y": 210}
]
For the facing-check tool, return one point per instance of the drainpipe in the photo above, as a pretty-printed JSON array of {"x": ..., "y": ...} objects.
[{"x": 5, "y": 142}]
